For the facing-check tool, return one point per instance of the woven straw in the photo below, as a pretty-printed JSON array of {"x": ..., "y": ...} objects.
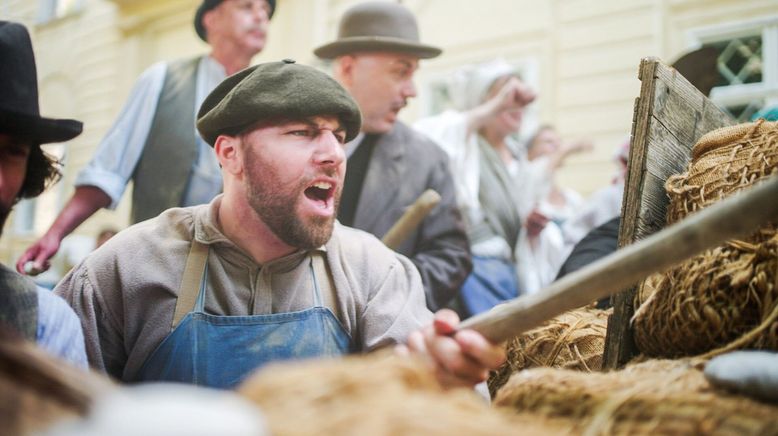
[
  {"x": 653, "y": 397},
  {"x": 574, "y": 340},
  {"x": 725, "y": 298},
  {"x": 374, "y": 395}
]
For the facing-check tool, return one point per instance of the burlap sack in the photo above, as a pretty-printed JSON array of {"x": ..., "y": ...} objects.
[
  {"x": 574, "y": 340},
  {"x": 727, "y": 297},
  {"x": 656, "y": 397}
]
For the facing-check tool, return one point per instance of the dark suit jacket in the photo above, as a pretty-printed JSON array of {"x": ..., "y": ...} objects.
[{"x": 404, "y": 164}]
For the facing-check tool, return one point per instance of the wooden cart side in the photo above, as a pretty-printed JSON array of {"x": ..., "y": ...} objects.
[{"x": 669, "y": 116}]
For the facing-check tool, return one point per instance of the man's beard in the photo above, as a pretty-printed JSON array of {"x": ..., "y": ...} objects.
[{"x": 277, "y": 209}]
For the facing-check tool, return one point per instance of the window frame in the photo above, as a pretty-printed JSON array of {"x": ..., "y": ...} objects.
[{"x": 743, "y": 94}]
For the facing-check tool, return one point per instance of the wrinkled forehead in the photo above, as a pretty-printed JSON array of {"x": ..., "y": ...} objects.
[{"x": 387, "y": 58}]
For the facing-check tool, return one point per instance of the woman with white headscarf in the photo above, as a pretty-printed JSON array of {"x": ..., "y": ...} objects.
[{"x": 497, "y": 187}]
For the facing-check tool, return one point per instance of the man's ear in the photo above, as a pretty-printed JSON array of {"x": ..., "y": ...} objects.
[
  {"x": 229, "y": 153},
  {"x": 208, "y": 21},
  {"x": 344, "y": 69}
]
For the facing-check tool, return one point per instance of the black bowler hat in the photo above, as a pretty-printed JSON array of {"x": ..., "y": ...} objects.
[
  {"x": 19, "y": 111},
  {"x": 207, "y": 5}
]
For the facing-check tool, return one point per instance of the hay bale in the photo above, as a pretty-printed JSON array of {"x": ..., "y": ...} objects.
[
  {"x": 574, "y": 340},
  {"x": 725, "y": 298},
  {"x": 653, "y": 397},
  {"x": 376, "y": 395}
]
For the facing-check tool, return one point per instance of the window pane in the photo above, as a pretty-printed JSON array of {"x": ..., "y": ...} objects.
[
  {"x": 739, "y": 61},
  {"x": 743, "y": 113}
]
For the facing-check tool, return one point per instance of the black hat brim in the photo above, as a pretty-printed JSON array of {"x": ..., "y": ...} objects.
[
  {"x": 39, "y": 130},
  {"x": 375, "y": 43}
]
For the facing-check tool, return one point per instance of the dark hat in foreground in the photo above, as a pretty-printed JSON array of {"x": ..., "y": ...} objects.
[
  {"x": 377, "y": 26},
  {"x": 275, "y": 90},
  {"x": 207, "y": 5},
  {"x": 19, "y": 110}
]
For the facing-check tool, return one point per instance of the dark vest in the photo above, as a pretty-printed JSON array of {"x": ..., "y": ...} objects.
[
  {"x": 163, "y": 171},
  {"x": 18, "y": 303}
]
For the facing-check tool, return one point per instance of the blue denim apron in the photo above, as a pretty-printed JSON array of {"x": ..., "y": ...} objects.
[{"x": 220, "y": 351}]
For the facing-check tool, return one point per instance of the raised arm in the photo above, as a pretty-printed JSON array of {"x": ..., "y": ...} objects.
[
  {"x": 83, "y": 204},
  {"x": 512, "y": 95}
]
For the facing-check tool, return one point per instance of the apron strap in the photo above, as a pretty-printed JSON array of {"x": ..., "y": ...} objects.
[
  {"x": 323, "y": 281},
  {"x": 190, "y": 282}
]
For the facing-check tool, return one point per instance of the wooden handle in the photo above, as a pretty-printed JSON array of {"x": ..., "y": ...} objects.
[
  {"x": 411, "y": 218},
  {"x": 734, "y": 216}
]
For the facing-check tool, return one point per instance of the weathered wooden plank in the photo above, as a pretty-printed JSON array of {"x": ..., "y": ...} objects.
[{"x": 670, "y": 115}]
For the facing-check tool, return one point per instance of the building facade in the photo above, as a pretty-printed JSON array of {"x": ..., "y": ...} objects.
[{"x": 581, "y": 56}]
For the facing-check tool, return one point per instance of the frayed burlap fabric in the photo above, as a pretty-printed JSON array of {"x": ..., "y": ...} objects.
[
  {"x": 573, "y": 340},
  {"x": 656, "y": 397},
  {"x": 725, "y": 298}
]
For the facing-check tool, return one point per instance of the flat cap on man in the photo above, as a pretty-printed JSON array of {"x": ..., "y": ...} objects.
[{"x": 275, "y": 90}]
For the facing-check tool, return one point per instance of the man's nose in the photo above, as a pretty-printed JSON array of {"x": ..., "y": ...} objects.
[
  {"x": 409, "y": 89},
  {"x": 329, "y": 150}
]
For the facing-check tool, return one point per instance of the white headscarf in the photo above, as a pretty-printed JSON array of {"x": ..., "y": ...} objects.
[{"x": 469, "y": 85}]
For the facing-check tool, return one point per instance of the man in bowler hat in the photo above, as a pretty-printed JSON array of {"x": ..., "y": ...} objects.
[
  {"x": 25, "y": 171},
  {"x": 154, "y": 141},
  {"x": 376, "y": 54},
  {"x": 264, "y": 272}
]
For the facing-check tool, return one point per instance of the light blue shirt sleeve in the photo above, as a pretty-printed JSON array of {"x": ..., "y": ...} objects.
[
  {"x": 59, "y": 329},
  {"x": 120, "y": 150},
  {"x": 122, "y": 147}
]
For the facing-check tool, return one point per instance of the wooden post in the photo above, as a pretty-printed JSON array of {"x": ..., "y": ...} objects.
[{"x": 670, "y": 115}]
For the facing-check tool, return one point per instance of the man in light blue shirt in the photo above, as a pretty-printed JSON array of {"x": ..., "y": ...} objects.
[
  {"x": 25, "y": 170},
  {"x": 154, "y": 141}
]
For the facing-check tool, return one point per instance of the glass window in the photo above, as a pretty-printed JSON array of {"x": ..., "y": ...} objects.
[{"x": 747, "y": 65}]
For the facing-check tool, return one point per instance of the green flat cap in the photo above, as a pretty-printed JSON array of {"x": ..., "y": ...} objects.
[{"x": 271, "y": 91}]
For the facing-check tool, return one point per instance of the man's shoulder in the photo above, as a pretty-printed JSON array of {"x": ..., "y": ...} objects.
[
  {"x": 356, "y": 241},
  {"x": 357, "y": 247},
  {"x": 153, "y": 237},
  {"x": 421, "y": 146}
]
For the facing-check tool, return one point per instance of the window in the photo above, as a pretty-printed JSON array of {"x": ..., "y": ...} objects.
[
  {"x": 50, "y": 10},
  {"x": 747, "y": 65}
]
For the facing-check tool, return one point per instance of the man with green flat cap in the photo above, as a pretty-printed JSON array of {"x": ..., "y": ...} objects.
[
  {"x": 263, "y": 273},
  {"x": 376, "y": 54},
  {"x": 154, "y": 142}
]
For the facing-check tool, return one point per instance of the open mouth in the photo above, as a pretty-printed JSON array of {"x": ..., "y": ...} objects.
[{"x": 321, "y": 194}]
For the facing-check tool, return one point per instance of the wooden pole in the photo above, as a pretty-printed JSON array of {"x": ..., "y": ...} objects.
[
  {"x": 411, "y": 219},
  {"x": 735, "y": 216}
]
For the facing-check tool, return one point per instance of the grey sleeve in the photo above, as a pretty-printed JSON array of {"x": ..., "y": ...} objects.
[
  {"x": 442, "y": 252},
  {"x": 395, "y": 307},
  {"x": 102, "y": 333}
]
